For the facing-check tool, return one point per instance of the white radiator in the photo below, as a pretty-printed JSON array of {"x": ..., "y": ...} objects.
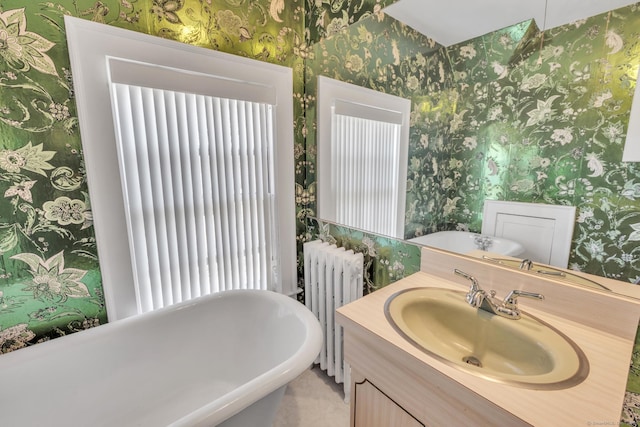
[{"x": 332, "y": 277}]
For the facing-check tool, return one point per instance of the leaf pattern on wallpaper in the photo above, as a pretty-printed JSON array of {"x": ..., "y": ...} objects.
[
  {"x": 8, "y": 237},
  {"x": 275, "y": 9},
  {"x": 167, "y": 9},
  {"x": 635, "y": 235},
  {"x": 614, "y": 42}
]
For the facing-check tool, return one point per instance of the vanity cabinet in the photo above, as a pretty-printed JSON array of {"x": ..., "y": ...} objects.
[
  {"x": 391, "y": 388},
  {"x": 395, "y": 383},
  {"x": 373, "y": 408}
]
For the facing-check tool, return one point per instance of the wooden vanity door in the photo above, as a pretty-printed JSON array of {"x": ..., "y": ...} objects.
[{"x": 374, "y": 409}]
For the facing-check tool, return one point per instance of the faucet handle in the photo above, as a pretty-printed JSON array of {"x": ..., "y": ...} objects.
[
  {"x": 475, "y": 296},
  {"x": 474, "y": 282},
  {"x": 511, "y": 300}
]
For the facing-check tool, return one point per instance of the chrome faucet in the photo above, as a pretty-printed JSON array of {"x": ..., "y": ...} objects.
[
  {"x": 479, "y": 298},
  {"x": 526, "y": 264},
  {"x": 482, "y": 242}
]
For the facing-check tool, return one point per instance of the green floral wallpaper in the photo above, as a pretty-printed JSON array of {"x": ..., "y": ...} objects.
[
  {"x": 50, "y": 283},
  {"x": 513, "y": 115},
  {"x": 386, "y": 260},
  {"x": 383, "y": 54},
  {"x": 326, "y": 18},
  {"x": 549, "y": 126}
]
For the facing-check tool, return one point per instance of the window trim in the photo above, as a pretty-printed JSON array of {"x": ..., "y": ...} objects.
[
  {"x": 89, "y": 49},
  {"x": 365, "y": 103}
]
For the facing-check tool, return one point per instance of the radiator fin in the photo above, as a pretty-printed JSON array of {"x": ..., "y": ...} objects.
[{"x": 333, "y": 277}]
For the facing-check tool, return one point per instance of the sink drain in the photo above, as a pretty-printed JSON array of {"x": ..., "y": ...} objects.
[{"x": 472, "y": 360}]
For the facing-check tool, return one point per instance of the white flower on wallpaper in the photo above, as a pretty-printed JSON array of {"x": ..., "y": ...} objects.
[
  {"x": 595, "y": 249},
  {"x": 613, "y": 131},
  {"x": 468, "y": 51},
  {"x": 22, "y": 190},
  {"x": 65, "y": 211},
  {"x": 338, "y": 24},
  {"x": 584, "y": 214},
  {"x": 522, "y": 185},
  {"x": 29, "y": 157},
  {"x": 470, "y": 142},
  {"x": 23, "y": 49},
  {"x": 450, "y": 205},
  {"x": 601, "y": 98},
  {"x": 51, "y": 280},
  {"x": 457, "y": 120},
  {"x": 395, "y": 51},
  {"x": 532, "y": 82},
  {"x": 563, "y": 136},
  {"x": 370, "y": 246},
  {"x": 543, "y": 111}
]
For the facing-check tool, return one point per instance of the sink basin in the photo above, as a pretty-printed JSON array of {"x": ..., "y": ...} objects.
[{"x": 526, "y": 352}]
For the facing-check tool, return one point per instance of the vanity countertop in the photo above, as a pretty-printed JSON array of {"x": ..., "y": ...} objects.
[{"x": 596, "y": 401}]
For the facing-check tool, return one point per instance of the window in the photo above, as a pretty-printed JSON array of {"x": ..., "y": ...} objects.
[
  {"x": 189, "y": 156},
  {"x": 362, "y": 157}
]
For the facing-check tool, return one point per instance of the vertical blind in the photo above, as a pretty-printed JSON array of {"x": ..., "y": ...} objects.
[
  {"x": 365, "y": 159},
  {"x": 197, "y": 174}
]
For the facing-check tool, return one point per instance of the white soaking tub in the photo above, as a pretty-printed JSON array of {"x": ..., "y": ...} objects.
[{"x": 223, "y": 359}]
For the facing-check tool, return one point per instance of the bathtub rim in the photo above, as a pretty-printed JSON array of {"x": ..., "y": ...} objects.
[
  {"x": 518, "y": 250},
  {"x": 278, "y": 376},
  {"x": 234, "y": 401}
]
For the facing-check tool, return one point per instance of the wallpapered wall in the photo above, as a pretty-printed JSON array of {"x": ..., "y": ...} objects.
[
  {"x": 383, "y": 54},
  {"x": 550, "y": 128},
  {"x": 513, "y": 115},
  {"x": 488, "y": 121},
  {"x": 50, "y": 282}
]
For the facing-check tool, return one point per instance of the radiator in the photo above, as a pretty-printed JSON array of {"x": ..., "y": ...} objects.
[{"x": 332, "y": 277}]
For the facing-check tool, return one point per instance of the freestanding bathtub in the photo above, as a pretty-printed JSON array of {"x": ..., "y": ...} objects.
[
  {"x": 223, "y": 359},
  {"x": 464, "y": 242}
]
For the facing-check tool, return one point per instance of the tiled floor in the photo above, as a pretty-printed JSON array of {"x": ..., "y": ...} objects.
[{"x": 313, "y": 400}]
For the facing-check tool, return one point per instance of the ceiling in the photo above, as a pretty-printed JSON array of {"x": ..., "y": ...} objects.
[{"x": 454, "y": 21}]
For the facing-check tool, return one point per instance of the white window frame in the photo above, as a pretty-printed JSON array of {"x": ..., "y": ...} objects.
[
  {"x": 90, "y": 46},
  {"x": 365, "y": 103}
]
